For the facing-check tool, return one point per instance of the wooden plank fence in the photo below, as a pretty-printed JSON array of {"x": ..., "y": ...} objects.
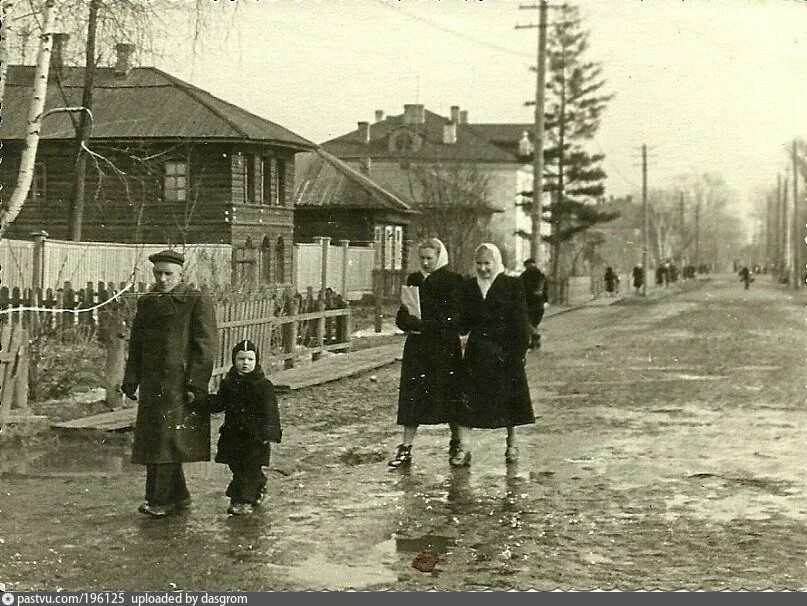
[
  {"x": 14, "y": 359},
  {"x": 287, "y": 327}
]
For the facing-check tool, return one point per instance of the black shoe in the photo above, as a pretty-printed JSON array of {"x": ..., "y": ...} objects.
[
  {"x": 155, "y": 511},
  {"x": 403, "y": 457},
  {"x": 453, "y": 447},
  {"x": 462, "y": 458}
]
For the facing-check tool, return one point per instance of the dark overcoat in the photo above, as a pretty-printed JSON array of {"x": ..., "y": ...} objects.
[
  {"x": 171, "y": 348},
  {"x": 496, "y": 390},
  {"x": 251, "y": 418},
  {"x": 535, "y": 289},
  {"x": 431, "y": 370}
]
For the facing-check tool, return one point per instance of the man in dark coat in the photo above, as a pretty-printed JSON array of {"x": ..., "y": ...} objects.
[
  {"x": 171, "y": 351},
  {"x": 638, "y": 277},
  {"x": 535, "y": 287}
]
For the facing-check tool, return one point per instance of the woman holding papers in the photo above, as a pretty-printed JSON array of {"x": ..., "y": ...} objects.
[
  {"x": 495, "y": 316},
  {"x": 431, "y": 372}
]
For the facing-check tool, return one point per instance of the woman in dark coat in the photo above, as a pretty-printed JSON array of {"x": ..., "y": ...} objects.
[
  {"x": 251, "y": 422},
  {"x": 495, "y": 316},
  {"x": 431, "y": 384}
]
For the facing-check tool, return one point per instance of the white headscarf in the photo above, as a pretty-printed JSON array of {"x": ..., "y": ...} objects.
[
  {"x": 498, "y": 267},
  {"x": 442, "y": 253}
]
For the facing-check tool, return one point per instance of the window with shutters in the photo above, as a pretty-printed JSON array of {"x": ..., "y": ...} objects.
[
  {"x": 175, "y": 184},
  {"x": 38, "y": 191},
  {"x": 280, "y": 261},
  {"x": 254, "y": 180},
  {"x": 388, "y": 246},
  {"x": 245, "y": 264},
  {"x": 266, "y": 261}
]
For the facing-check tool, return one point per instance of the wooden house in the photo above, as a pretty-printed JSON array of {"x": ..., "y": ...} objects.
[
  {"x": 168, "y": 163},
  {"x": 333, "y": 200}
]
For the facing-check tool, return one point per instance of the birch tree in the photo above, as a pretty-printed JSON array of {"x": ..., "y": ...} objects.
[{"x": 37, "y": 107}]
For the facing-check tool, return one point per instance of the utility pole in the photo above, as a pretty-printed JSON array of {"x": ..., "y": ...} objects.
[
  {"x": 698, "y": 233},
  {"x": 797, "y": 269},
  {"x": 646, "y": 221},
  {"x": 683, "y": 235},
  {"x": 781, "y": 228},
  {"x": 538, "y": 135}
]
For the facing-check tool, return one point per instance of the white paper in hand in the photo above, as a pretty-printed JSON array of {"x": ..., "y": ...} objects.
[{"x": 410, "y": 297}]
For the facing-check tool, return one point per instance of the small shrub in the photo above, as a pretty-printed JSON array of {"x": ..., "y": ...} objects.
[{"x": 64, "y": 362}]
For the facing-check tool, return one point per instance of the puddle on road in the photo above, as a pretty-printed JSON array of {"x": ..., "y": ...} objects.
[
  {"x": 65, "y": 459},
  {"x": 428, "y": 543},
  {"x": 317, "y": 572}
]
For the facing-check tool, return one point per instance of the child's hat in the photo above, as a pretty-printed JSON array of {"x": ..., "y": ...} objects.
[{"x": 246, "y": 345}]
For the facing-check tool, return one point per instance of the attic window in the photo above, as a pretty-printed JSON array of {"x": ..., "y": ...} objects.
[
  {"x": 404, "y": 142},
  {"x": 175, "y": 186}
]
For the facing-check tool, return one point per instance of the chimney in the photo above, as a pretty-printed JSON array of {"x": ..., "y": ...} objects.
[
  {"x": 464, "y": 116},
  {"x": 450, "y": 133},
  {"x": 124, "y": 60},
  {"x": 414, "y": 113},
  {"x": 455, "y": 114},
  {"x": 364, "y": 132},
  {"x": 58, "y": 50},
  {"x": 379, "y": 115}
]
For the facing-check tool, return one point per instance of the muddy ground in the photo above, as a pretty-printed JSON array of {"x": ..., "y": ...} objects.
[{"x": 668, "y": 452}]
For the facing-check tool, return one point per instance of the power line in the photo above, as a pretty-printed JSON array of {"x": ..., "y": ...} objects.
[{"x": 456, "y": 33}]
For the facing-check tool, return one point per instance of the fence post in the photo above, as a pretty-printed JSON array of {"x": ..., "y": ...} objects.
[
  {"x": 38, "y": 265},
  {"x": 345, "y": 266},
  {"x": 325, "y": 243},
  {"x": 290, "y": 307},
  {"x": 320, "y": 331},
  {"x": 21, "y": 378}
]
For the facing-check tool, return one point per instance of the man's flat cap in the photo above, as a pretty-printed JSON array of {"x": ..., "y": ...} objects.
[{"x": 168, "y": 256}]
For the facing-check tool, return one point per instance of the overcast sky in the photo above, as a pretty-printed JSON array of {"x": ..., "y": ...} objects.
[{"x": 711, "y": 85}]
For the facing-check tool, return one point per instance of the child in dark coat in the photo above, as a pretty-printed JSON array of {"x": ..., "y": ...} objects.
[{"x": 251, "y": 422}]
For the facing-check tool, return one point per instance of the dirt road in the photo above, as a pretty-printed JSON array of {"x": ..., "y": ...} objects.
[{"x": 669, "y": 452}]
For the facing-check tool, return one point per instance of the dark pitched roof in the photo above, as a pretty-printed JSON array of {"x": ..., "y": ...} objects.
[
  {"x": 471, "y": 146},
  {"x": 324, "y": 180},
  {"x": 503, "y": 132},
  {"x": 145, "y": 103}
]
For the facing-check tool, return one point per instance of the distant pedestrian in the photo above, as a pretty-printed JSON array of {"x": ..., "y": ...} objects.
[
  {"x": 251, "y": 423},
  {"x": 535, "y": 287},
  {"x": 171, "y": 351},
  {"x": 746, "y": 275},
  {"x": 430, "y": 389},
  {"x": 611, "y": 280},
  {"x": 660, "y": 275},
  {"x": 496, "y": 389},
  {"x": 638, "y": 277}
]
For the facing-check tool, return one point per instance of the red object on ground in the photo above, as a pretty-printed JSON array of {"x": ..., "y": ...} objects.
[{"x": 425, "y": 562}]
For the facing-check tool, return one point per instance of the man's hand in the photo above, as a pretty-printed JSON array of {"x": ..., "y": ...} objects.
[
  {"x": 129, "y": 390},
  {"x": 195, "y": 396}
]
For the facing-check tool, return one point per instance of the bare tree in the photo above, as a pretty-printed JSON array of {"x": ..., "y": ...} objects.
[
  {"x": 455, "y": 202},
  {"x": 100, "y": 25}
]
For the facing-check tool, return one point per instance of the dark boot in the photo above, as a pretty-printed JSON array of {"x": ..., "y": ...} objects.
[
  {"x": 453, "y": 447},
  {"x": 403, "y": 457}
]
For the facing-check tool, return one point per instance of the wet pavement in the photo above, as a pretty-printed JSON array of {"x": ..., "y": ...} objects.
[{"x": 668, "y": 452}]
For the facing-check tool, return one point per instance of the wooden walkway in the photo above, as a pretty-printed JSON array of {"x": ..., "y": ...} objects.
[{"x": 332, "y": 368}]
